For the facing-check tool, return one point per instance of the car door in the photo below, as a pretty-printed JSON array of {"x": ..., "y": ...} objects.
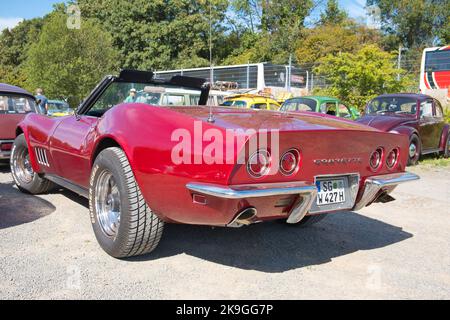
[
  {"x": 344, "y": 111},
  {"x": 428, "y": 126},
  {"x": 68, "y": 147},
  {"x": 439, "y": 122}
]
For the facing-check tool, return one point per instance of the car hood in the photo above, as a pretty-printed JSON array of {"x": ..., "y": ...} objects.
[
  {"x": 232, "y": 118},
  {"x": 384, "y": 123}
]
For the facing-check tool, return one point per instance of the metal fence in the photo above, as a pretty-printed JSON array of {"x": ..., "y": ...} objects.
[{"x": 295, "y": 78}]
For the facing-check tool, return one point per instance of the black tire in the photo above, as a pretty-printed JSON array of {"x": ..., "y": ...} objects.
[
  {"x": 23, "y": 174},
  {"x": 311, "y": 220},
  {"x": 447, "y": 147},
  {"x": 138, "y": 230},
  {"x": 413, "y": 160}
]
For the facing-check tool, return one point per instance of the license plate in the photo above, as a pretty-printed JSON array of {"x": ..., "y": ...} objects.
[{"x": 330, "y": 191}]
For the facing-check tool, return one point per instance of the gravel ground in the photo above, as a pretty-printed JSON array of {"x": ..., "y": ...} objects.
[{"x": 399, "y": 250}]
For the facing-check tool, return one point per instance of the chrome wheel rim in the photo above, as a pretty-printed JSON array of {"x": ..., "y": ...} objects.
[
  {"x": 107, "y": 204},
  {"x": 22, "y": 166},
  {"x": 412, "y": 150}
]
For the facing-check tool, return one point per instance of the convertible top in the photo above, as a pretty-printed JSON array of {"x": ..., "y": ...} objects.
[{"x": 9, "y": 89}]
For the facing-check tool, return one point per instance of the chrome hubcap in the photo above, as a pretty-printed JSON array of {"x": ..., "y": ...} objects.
[
  {"x": 22, "y": 165},
  {"x": 107, "y": 204},
  {"x": 412, "y": 150}
]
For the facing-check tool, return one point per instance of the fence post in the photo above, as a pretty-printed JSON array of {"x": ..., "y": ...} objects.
[
  {"x": 248, "y": 74},
  {"x": 290, "y": 73}
]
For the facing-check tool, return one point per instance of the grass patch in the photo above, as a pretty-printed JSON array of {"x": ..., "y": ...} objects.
[{"x": 435, "y": 161}]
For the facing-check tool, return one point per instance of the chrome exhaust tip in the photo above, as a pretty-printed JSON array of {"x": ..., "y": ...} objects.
[{"x": 245, "y": 218}]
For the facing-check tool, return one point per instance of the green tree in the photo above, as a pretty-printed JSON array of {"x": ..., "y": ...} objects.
[
  {"x": 358, "y": 77},
  {"x": 160, "y": 34},
  {"x": 332, "y": 39},
  {"x": 415, "y": 23},
  {"x": 333, "y": 14},
  {"x": 14, "y": 46},
  {"x": 69, "y": 62}
]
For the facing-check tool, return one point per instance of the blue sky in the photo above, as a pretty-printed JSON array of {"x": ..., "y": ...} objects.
[{"x": 13, "y": 11}]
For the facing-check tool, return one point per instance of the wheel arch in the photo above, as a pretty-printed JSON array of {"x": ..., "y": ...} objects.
[
  {"x": 409, "y": 131},
  {"x": 22, "y": 129},
  {"x": 105, "y": 143},
  {"x": 444, "y": 136}
]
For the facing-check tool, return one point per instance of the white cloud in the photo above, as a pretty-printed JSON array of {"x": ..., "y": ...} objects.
[{"x": 9, "y": 22}]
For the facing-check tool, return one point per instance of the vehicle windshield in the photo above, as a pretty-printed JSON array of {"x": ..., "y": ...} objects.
[
  {"x": 151, "y": 93},
  {"x": 302, "y": 104},
  {"x": 58, "y": 106},
  {"x": 16, "y": 104},
  {"x": 392, "y": 105},
  {"x": 235, "y": 103}
]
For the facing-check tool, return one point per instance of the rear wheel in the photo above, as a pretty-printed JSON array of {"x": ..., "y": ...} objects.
[
  {"x": 123, "y": 223},
  {"x": 311, "y": 220},
  {"x": 22, "y": 172},
  {"x": 415, "y": 149}
]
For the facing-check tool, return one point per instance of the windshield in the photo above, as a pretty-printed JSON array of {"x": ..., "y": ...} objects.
[
  {"x": 58, "y": 106},
  {"x": 392, "y": 105},
  {"x": 151, "y": 93},
  {"x": 13, "y": 104},
  {"x": 303, "y": 104},
  {"x": 235, "y": 103}
]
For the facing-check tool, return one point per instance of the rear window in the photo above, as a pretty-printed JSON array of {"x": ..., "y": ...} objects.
[
  {"x": 303, "y": 104},
  {"x": 437, "y": 61},
  {"x": 12, "y": 104}
]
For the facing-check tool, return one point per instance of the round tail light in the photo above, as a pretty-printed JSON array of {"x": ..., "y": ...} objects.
[
  {"x": 392, "y": 158},
  {"x": 376, "y": 159},
  {"x": 289, "y": 162},
  {"x": 259, "y": 164}
]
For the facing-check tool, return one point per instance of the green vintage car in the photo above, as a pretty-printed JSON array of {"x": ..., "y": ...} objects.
[{"x": 326, "y": 105}]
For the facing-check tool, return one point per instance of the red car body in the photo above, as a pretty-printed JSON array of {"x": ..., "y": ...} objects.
[
  {"x": 9, "y": 118},
  {"x": 63, "y": 150},
  {"x": 431, "y": 129}
]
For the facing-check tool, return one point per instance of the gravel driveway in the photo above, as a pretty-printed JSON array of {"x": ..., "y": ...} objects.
[{"x": 399, "y": 250}]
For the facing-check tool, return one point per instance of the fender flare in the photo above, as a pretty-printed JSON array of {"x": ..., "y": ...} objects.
[
  {"x": 405, "y": 130},
  {"x": 23, "y": 129},
  {"x": 444, "y": 135}
]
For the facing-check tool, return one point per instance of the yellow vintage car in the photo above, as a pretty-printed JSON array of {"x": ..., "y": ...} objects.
[{"x": 251, "y": 101}]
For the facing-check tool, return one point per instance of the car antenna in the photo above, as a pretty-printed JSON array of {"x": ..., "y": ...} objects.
[{"x": 211, "y": 72}]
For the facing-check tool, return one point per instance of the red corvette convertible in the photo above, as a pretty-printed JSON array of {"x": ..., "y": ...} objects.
[{"x": 143, "y": 165}]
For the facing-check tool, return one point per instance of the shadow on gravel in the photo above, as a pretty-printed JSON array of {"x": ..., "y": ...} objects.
[
  {"x": 277, "y": 247},
  {"x": 4, "y": 166},
  {"x": 17, "y": 208}
]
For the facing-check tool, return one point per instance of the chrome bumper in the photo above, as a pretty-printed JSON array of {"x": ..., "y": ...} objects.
[
  {"x": 5, "y": 154},
  {"x": 386, "y": 183},
  {"x": 306, "y": 191}
]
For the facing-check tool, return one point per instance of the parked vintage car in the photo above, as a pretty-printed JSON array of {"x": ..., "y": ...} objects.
[
  {"x": 58, "y": 108},
  {"x": 251, "y": 101},
  {"x": 418, "y": 116},
  {"x": 15, "y": 103},
  {"x": 177, "y": 96},
  {"x": 124, "y": 157},
  {"x": 325, "y": 105}
]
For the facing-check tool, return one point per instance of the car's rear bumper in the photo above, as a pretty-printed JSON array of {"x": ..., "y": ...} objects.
[
  {"x": 5, "y": 149},
  {"x": 375, "y": 186},
  {"x": 306, "y": 192}
]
